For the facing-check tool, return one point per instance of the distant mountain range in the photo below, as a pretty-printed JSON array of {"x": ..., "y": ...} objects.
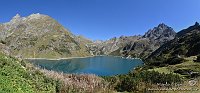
[
  {"x": 40, "y": 36},
  {"x": 135, "y": 46}
]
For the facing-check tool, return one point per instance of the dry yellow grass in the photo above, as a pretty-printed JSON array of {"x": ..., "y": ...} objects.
[{"x": 79, "y": 83}]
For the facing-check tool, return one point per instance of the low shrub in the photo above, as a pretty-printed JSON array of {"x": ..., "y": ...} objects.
[
  {"x": 132, "y": 82},
  {"x": 198, "y": 59},
  {"x": 174, "y": 60}
]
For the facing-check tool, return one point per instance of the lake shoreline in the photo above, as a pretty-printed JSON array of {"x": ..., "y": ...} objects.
[
  {"x": 78, "y": 57},
  {"x": 58, "y": 58}
]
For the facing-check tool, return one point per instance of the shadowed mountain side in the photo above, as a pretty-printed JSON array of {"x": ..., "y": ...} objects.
[{"x": 185, "y": 44}]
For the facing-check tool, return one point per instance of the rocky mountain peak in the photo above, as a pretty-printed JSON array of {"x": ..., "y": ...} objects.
[
  {"x": 37, "y": 16},
  {"x": 162, "y": 30},
  {"x": 30, "y": 17},
  {"x": 186, "y": 44},
  {"x": 196, "y": 24},
  {"x": 43, "y": 35},
  {"x": 162, "y": 26},
  {"x": 16, "y": 16},
  {"x": 189, "y": 30},
  {"x": 32, "y": 23}
]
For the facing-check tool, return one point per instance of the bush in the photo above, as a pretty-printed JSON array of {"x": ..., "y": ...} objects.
[
  {"x": 156, "y": 77},
  {"x": 127, "y": 84},
  {"x": 183, "y": 71},
  {"x": 132, "y": 81},
  {"x": 198, "y": 59},
  {"x": 174, "y": 60}
]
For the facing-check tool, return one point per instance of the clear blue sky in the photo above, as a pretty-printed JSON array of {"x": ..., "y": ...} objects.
[{"x": 104, "y": 19}]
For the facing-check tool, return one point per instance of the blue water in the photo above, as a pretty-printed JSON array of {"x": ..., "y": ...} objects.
[{"x": 99, "y": 65}]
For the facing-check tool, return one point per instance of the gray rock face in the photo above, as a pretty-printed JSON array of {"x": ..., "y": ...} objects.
[
  {"x": 161, "y": 33},
  {"x": 4, "y": 49},
  {"x": 136, "y": 46},
  {"x": 111, "y": 45}
]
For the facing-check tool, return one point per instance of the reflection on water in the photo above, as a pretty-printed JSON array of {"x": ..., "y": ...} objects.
[{"x": 99, "y": 65}]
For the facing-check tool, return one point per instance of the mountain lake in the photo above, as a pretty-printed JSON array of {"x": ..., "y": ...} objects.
[{"x": 98, "y": 65}]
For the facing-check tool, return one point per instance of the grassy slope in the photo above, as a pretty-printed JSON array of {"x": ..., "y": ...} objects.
[
  {"x": 22, "y": 77},
  {"x": 15, "y": 78},
  {"x": 135, "y": 81},
  {"x": 188, "y": 64}
]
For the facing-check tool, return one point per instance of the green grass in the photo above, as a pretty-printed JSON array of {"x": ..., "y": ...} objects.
[
  {"x": 16, "y": 78},
  {"x": 22, "y": 77},
  {"x": 188, "y": 64},
  {"x": 165, "y": 70}
]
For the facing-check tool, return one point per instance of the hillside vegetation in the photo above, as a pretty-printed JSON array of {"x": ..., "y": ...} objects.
[{"x": 16, "y": 78}]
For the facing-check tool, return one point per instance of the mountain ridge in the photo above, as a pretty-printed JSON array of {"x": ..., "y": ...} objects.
[
  {"x": 40, "y": 35},
  {"x": 137, "y": 45},
  {"x": 185, "y": 44}
]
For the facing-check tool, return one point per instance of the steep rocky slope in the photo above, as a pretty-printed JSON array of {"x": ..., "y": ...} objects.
[
  {"x": 136, "y": 46},
  {"x": 113, "y": 44},
  {"x": 185, "y": 44},
  {"x": 40, "y": 36}
]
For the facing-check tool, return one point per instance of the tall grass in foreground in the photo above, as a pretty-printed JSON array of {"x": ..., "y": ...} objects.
[
  {"x": 19, "y": 77},
  {"x": 88, "y": 83}
]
